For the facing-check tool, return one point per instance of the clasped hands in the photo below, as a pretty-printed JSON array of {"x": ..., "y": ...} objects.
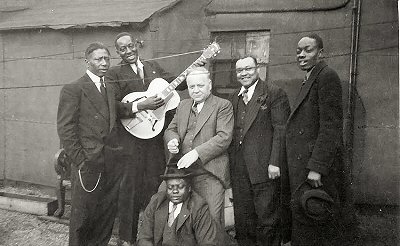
[{"x": 188, "y": 159}]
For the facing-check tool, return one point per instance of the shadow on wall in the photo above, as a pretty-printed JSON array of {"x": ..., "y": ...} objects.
[{"x": 350, "y": 171}]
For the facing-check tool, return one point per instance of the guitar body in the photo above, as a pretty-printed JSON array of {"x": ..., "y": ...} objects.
[{"x": 149, "y": 123}]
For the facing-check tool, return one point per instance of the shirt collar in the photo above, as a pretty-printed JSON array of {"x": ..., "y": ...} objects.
[
  {"x": 199, "y": 106},
  {"x": 250, "y": 90},
  {"x": 309, "y": 73},
  {"x": 93, "y": 77},
  {"x": 136, "y": 65},
  {"x": 177, "y": 210}
]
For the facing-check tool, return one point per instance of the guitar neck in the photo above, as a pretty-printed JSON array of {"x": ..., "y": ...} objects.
[{"x": 176, "y": 82}]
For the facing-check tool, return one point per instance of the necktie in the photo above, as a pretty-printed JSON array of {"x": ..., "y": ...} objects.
[
  {"x": 171, "y": 215},
  {"x": 140, "y": 72},
  {"x": 194, "y": 108},
  {"x": 245, "y": 96},
  {"x": 103, "y": 90},
  {"x": 303, "y": 83}
]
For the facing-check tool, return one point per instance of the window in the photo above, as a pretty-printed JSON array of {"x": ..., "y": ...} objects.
[{"x": 234, "y": 45}]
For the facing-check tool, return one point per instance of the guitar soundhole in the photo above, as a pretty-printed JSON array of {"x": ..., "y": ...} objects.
[{"x": 152, "y": 128}]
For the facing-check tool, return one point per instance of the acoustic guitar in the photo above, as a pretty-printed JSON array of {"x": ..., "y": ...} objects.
[{"x": 149, "y": 123}]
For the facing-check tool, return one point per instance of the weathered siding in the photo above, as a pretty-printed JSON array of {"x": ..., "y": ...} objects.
[
  {"x": 376, "y": 126},
  {"x": 376, "y": 148}
]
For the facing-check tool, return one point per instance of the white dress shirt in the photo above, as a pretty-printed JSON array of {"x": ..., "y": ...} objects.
[
  {"x": 95, "y": 79},
  {"x": 250, "y": 90},
  {"x": 177, "y": 210}
]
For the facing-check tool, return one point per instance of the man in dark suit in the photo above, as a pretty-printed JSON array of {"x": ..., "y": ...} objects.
[
  {"x": 314, "y": 143},
  {"x": 86, "y": 118},
  {"x": 202, "y": 130},
  {"x": 257, "y": 152},
  {"x": 178, "y": 215},
  {"x": 143, "y": 159}
]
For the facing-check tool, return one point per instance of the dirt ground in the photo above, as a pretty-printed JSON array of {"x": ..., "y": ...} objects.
[{"x": 19, "y": 229}]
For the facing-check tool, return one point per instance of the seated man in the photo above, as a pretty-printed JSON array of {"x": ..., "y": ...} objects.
[{"x": 177, "y": 216}]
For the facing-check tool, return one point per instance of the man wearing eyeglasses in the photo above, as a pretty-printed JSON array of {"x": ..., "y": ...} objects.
[
  {"x": 256, "y": 155},
  {"x": 143, "y": 158}
]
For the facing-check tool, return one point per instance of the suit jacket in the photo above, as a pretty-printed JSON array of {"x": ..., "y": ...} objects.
[
  {"x": 85, "y": 122},
  {"x": 213, "y": 133},
  {"x": 264, "y": 130},
  {"x": 195, "y": 226},
  {"x": 314, "y": 130},
  {"x": 126, "y": 81}
]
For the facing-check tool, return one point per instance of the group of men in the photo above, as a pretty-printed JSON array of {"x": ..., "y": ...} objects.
[{"x": 280, "y": 163}]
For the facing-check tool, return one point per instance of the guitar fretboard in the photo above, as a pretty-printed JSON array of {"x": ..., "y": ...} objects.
[{"x": 172, "y": 86}]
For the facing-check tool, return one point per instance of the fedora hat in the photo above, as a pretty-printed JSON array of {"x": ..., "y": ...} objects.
[
  {"x": 317, "y": 204},
  {"x": 172, "y": 171},
  {"x": 314, "y": 204}
]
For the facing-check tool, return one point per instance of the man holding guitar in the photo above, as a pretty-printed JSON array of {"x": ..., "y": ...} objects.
[{"x": 143, "y": 159}]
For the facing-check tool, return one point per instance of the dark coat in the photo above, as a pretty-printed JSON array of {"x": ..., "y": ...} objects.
[
  {"x": 84, "y": 122},
  {"x": 195, "y": 225},
  {"x": 264, "y": 131},
  {"x": 314, "y": 131},
  {"x": 143, "y": 159},
  {"x": 126, "y": 81}
]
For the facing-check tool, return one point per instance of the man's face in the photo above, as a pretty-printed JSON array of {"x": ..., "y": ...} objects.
[
  {"x": 98, "y": 62},
  {"x": 199, "y": 86},
  {"x": 127, "y": 50},
  {"x": 246, "y": 72},
  {"x": 308, "y": 54},
  {"x": 178, "y": 190}
]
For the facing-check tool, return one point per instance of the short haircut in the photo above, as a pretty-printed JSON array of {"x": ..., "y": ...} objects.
[
  {"x": 122, "y": 34},
  {"x": 95, "y": 46},
  {"x": 249, "y": 56},
  {"x": 198, "y": 70},
  {"x": 318, "y": 40}
]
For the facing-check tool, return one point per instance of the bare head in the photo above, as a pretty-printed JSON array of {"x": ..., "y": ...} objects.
[
  {"x": 199, "y": 84},
  {"x": 309, "y": 51}
]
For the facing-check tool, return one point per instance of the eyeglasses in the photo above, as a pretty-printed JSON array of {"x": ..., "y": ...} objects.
[
  {"x": 131, "y": 46},
  {"x": 246, "y": 69}
]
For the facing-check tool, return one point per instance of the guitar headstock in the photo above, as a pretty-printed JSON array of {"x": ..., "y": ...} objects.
[{"x": 211, "y": 51}]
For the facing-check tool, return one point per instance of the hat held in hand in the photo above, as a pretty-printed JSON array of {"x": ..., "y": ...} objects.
[
  {"x": 172, "y": 171},
  {"x": 317, "y": 204}
]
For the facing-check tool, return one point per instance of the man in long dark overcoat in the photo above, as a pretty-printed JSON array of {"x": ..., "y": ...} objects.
[{"x": 314, "y": 145}]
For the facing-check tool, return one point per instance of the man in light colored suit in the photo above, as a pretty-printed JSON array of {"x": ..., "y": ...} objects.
[{"x": 202, "y": 131}]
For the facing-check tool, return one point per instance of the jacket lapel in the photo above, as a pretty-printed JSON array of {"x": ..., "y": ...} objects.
[
  {"x": 307, "y": 86},
  {"x": 205, "y": 113},
  {"x": 131, "y": 77},
  {"x": 160, "y": 218},
  {"x": 254, "y": 105},
  {"x": 235, "y": 100},
  {"x": 111, "y": 105},
  {"x": 184, "y": 119},
  {"x": 182, "y": 216},
  {"x": 94, "y": 96}
]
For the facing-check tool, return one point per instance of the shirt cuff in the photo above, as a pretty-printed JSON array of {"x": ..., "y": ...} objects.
[{"x": 134, "y": 107}]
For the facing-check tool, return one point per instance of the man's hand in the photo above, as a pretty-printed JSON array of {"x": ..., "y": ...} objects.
[
  {"x": 151, "y": 103},
  {"x": 173, "y": 146},
  {"x": 314, "y": 179},
  {"x": 188, "y": 159},
  {"x": 273, "y": 172}
]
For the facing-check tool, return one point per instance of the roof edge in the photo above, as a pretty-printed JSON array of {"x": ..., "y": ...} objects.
[{"x": 209, "y": 11}]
